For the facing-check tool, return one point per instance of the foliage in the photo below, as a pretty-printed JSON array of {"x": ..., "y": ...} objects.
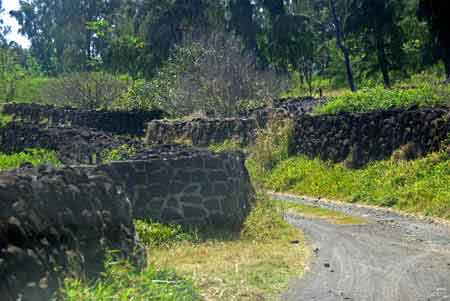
[
  {"x": 370, "y": 99},
  {"x": 213, "y": 75},
  {"x": 271, "y": 146},
  {"x": 32, "y": 156},
  {"x": 91, "y": 90},
  {"x": 123, "y": 152},
  {"x": 153, "y": 234},
  {"x": 227, "y": 145},
  {"x": 419, "y": 186},
  {"x": 122, "y": 282},
  {"x": 256, "y": 263}
]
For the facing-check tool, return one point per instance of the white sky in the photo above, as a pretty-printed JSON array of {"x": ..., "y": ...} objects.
[{"x": 9, "y": 5}]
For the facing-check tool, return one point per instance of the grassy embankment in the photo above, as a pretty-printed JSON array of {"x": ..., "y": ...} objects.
[{"x": 419, "y": 186}]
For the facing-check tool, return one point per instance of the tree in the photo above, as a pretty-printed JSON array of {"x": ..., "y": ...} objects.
[
  {"x": 375, "y": 24},
  {"x": 4, "y": 30},
  {"x": 436, "y": 13},
  {"x": 340, "y": 39}
]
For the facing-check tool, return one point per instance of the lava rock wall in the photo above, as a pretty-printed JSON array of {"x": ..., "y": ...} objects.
[
  {"x": 370, "y": 136},
  {"x": 73, "y": 145},
  {"x": 202, "y": 132},
  {"x": 52, "y": 221},
  {"x": 116, "y": 122},
  {"x": 186, "y": 186}
]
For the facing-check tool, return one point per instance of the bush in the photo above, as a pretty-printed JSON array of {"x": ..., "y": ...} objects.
[
  {"x": 84, "y": 90},
  {"x": 32, "y": 156},
  {"x": 272, "y": 145},
  {"x": 213, "y": 74},
  {"x": 123, "y": 152}
]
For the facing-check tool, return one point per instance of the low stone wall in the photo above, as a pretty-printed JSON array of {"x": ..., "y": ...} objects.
[
  {"x": 50, "y": 219},
  {"x": 73, "y": 145},
  {"x": 202, "y": 132},
  {"x": 185, "y": 186},
  {"x": 116, "y": 122},
  {"x": 54, "y": 220},
  {"x": 370, "y": 136}
]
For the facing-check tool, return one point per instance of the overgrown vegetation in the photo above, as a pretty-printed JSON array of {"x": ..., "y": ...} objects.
[
  {"x": 255, "y": 263},
  {"x": 123, "y": 282},
  {"x": 120, "y": 153},
  {"x": 418, "y": 186},
  {"x": 31, "y": 156},
  {"x": 369, "y": 99}
]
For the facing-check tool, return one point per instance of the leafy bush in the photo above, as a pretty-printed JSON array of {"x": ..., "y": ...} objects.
[
  {"x": 88, "y": 90},
  {"x": 272, "y": 145},
  {"x": 122, "y": 282},
  {"x": 123, "y": 152},
  {"x": 212, "y": 74},
  {"x": 156, "y": 234},
  {"x": 32, "y": 156},
  {"x": 370, "y": 99},
  {"x": 416, "y": 186}
]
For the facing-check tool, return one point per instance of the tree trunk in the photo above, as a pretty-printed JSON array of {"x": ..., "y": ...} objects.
[
  {"x": 382, "y": 61},
  {"x": 342, "y": 47}
]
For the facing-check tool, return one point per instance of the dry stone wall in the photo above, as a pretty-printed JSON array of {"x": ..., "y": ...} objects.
[
  {"x": 116, "y": 122},
  {"x": 185, "y": 186},
  {"x": 202, "y": 132},
  {"x": 54, "y": 220},
  {"x": 73, "y": 145},
  {"x": 50, "y": 219},
  {"x": 361, "y": 138}
]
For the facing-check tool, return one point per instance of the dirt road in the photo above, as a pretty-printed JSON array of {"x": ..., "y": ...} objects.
[{"x": 393, "y": 257}]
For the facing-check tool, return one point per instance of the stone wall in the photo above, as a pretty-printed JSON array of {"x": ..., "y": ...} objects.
[
  {"x": 50, "y": 219},
  {"x": 202, "y": 132},
  {"x": 370, "y": 136},
  {"x": 54, "y": 220},
  {"x": 185, "y": 185},
  {"x": 207, "y": 131},
  {"x": 73, "y": 145},
  {"x": 116, "y": 122}
]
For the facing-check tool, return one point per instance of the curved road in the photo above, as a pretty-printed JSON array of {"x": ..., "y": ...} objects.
[{"x": 393, "y": 257}]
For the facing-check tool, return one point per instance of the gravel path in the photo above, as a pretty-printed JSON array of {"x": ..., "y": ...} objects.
[{"x": 393, "y": 257}]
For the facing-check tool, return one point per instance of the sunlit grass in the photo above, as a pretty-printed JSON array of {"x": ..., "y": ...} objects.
[
  {"x": 32, "y": 156},
  {"x": 255, "y": 264}
]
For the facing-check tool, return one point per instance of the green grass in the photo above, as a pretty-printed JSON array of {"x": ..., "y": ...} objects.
[
  {"x": 256, "y": 263},
  {"x": 321, "y": 213},
  {"x": 123, "y": 282},
  {"x": 365, "y": 100},
  {"x": 33, "y": 156},
  {"x": 418, "y": 186}
]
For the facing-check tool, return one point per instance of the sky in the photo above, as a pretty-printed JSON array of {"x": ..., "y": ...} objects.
[{"x": 9, "y": 5}]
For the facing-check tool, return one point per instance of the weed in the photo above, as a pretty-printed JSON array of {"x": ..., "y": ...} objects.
[{"x": 123, "y": 152}]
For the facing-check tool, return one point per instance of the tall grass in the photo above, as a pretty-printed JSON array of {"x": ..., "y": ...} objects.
[{"x": 419, "y": 186}]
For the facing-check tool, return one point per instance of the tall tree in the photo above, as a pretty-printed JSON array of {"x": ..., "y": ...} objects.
[
  {"x": 338, "y": 24},
  {"x": 376, "y": 25},
  {"x": 436, "y": 12}
]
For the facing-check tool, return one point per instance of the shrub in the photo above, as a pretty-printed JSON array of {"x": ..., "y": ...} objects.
[
  {"x": 123, "y": 152},
  {"x": 87, "y": 90},
  {"x": 32, "y": 156},
  {"x": 212, "y": 74},
  {"x": 272, "y": 145}
]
